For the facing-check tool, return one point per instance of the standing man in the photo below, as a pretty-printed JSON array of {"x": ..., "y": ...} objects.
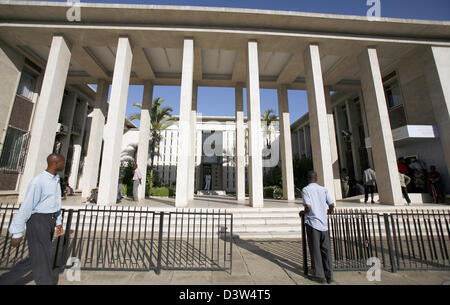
[
  {"x": 434, "y": 178},
  {"x": 370, "y": 180},
  {"x": 404, "y": 181},
  {"x": 137, "y": 179},
  {"x": 344, "y": 182},
  {"x": 41, "y": 212},
  {"x": 207, "y": 182},
  {"x": 317, "y": 202}
]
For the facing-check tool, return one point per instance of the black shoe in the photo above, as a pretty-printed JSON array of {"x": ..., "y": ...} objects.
[
  {"x": 330, "y": 281},
  {"x": 317, "y": 279},
  {"x": 373, "y": 201}
]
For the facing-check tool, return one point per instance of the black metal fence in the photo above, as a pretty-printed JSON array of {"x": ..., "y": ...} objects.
[
  {"x": 135, "y": 239},
  {"x": 417, "y": 240}
]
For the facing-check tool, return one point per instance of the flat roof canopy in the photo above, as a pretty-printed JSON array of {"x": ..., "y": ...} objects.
[{"x": 220, "y": 40}]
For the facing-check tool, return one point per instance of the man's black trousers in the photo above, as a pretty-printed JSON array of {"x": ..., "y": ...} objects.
[
  {"x": 319, "y": 248},
  {"x": 40, "y": 230}
]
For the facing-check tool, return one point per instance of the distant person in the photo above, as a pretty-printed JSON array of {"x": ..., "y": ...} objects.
[
  {"x": 137, "y": 179},
  {"x": 360, "y": 187},
  {"x": 93, "y": 196},
  {"x": 402, "y": 167},
  {"x": 434, "y": 178},
  {"x": 344, "y": 182},
  {"x": 404, "y": 181},
  {"x": 208, "y": 182},
  {"x": 369, "y": 180},
  {"x": 418, "y": 175},
  {"x": 317, "y": 202},
  {"x": 68, "y": 188},
  {"x": 41, "y": 213},
  {"x": 120, "y": 187}
]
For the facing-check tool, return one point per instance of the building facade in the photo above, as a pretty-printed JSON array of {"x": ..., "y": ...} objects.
[
  {"x": 215, "y": 147},
  {"x": 200, "y": 46}
]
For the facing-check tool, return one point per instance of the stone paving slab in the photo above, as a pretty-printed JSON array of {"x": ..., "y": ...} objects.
[{"x": 254, "y": 263}]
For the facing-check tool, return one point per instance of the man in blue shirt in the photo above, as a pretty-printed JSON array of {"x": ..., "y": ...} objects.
[
  {"x": 318, "y": 202},
  {"x": 41, "y": 213}
]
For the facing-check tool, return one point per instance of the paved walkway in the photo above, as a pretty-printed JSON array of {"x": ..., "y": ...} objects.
[{"x": 272, "y": 262}]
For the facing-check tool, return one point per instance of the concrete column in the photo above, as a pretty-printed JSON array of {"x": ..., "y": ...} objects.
[
  {"x": 338, "y": 137},
  {"x": 437, "y": 73},
  {"x": 77, "y": 146},
  {"x": 305, "y": 141},
  {"x": 286, "y": 145},
  {"x": 388, "y": 180},
  {"x": 109, "y": 175},
  {"x": 333, "y": 147},
  {"x": 366, "y": 128},
  {"x": 184, "y": 126},
  {"x": 240, "y": 143},
  {"x": 87, "y": 132},
  {"x": 68, "y": 108},
  {"x": 319, "y": 134},
  {"x": 255, "y": 170},
  {"x": 144, "y": 136},
  {"x": 92, "y": 159},
  {"x": 47, "y": 110},
  {"x": 354, "y": 140},
  {"x": 193, "y": 123}
]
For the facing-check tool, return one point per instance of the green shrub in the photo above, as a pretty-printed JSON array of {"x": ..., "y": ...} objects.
[
  {"x": 171, "y": 192},
  {"x": 278, "y": 193},
  {"x": 268, "y": 191},
  {"x": 160, "y": 192},
  {"x": 124, "y": 189},
  {"x": 301, "y": 169},
  {"x": 273, "y": 177}
]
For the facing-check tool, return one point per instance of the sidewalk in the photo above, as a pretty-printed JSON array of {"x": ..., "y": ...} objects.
[{"x": 271, "y": 262}]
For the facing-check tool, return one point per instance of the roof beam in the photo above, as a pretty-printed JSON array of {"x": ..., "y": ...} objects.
[
  {"x": 292, "y": 69},
  {"x": 239, "y": 69},
  {"x": 88, "y": 63},
  {"x": 141, "y": 64}
]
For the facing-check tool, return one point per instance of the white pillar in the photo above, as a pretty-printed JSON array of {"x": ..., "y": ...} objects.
[
  {"x": 319, "y": 134},
  {"x": 385, "y": 163},
  {"x": 77, "y": 146},
  {"x": 184, "y": 126},
  {"x": 437, "y": 73},
  {"x": 68, "y": 107},
  {"x": 193, "y": 123},
  {"x": 240, "y": 144},
  {"x": 354, "y": 141},
  {"x": 286, "y": 145},
  {"x": 333, "y": 147},
  {"x": 144, "y": 136},
  {"x": 366, "y": 129},
  {"x": 46, "y": 115},
  {"x": 255, "y": 169},
  {"x": 92, "y": 159},
  {"x": 109, "y": 172}
]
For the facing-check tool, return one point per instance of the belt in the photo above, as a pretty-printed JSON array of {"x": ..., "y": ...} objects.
[{"x": 55, "y": 214}]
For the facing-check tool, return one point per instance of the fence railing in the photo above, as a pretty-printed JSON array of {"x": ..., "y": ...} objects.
[
  {"x": 417, "y": 240},
  {"x": 135, "y": 239}
]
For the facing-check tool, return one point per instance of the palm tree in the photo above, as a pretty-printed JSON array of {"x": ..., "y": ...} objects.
[
  {"x": 161, "y": 119},
  {"x": 269, "y": 117}
]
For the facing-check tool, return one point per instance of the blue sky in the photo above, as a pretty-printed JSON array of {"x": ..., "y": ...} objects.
[{"x": 223, "y": 98}]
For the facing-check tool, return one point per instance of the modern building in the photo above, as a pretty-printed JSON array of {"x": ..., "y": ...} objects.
[
  {"x": 215, "y": 147},
  {"x": 119, "y": 45}
]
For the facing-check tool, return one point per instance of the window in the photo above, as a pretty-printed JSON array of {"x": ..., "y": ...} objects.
[
  {"x": 393, "y": 95},
  {"x": 14, "y": 149},
  {"x": 26, "y": 85},
  {"x": 392, "y": 90}
]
